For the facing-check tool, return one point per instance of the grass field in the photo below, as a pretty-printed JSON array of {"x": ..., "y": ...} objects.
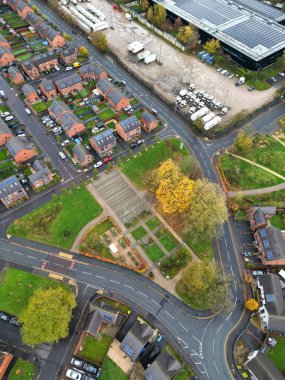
[
  {"x": 203, "y": 249},
  {"x": 153, "y": 223},
  {"x": 241, "y": 175},
  {"x": 16, "y": 287},
  {"x": 96, "y": 349},
  {"x": 169, "y": 242},
  {"x": 278, "y": 220},
  {"x": 3, "y": 154},
  {"x": 277, "y": 354},
  {"x": 22, "y": 370},
  {"x": 139, "y": 233},
  {"x": 154, "y": 252},
  {"x": 59, "y": 221},
  {"x": 6, "y": 169},
  {"x": 137, "y": 167},
  {"x": 110, "y": 370}
]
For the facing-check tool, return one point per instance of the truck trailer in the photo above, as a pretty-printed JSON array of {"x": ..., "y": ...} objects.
[
  {"x": 150, "y": 58},
  {"x": 195, "y": 116},
  {"x": 212, "y": 123}
]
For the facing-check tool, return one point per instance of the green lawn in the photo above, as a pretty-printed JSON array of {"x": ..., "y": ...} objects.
[
  {"x": 4, "y": 108},
  {"x": 241, "y": 175},
  {"x": 3, "y": 154},
  {"x": 136, "y": 168},
  {"x": 84, "y": 92},
  {"x": 19, "y": 51},
  {"x": 111, "y": 125},
  {"x": 95, "y": 350},
  {"x": 139, "y": 233},
  {"x": 39, "y": 106},
  {"x": 169, "y": 242},
  {"x": 110, "y": 370},
  {"x": 16, "y": 287},
  {"x": 107, "y": 114},
  {"x": 153, "y": 223},
  {"x": 103, "y": 227},
  {"x": 117, "y": 305},
  {"x": 277, "y": 354},
  {"x": 22, "y": 370},
  {"x": 91, "y": 124},
  {"x": 133, "y": 102},
  {"x": 23, "y": 57},
  {"x": 278, "y": 220},
  {"x": 154, "y": 252},
  {"x": 203, "y": 249},
  {"x": 59, "y": 221},
  {"x": 6, "y": 169},
  {"x": 102, "y": 106}
]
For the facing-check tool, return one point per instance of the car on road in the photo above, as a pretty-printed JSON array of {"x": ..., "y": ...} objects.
[
  {"x": 98, "y": 164},
  {"x": 68, "y": 68},
  {"x": 5, "y": 317},
  {"x": 107, "y": 159},
  {"x": 154, "y": 111},
  {"x": 76, "y": 362},
  {"x": 133, "y": 145},
  {"x": 74, "y": 375},
  {"x": 27, "y": 110},
  {"x": 89, "y": 368},
  {"x": 62, "y": 155},
  {"x": 141, "y": 141},
  {"x": 8, "y": 118}
]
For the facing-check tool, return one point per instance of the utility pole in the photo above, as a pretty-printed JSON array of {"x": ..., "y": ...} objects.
[{"x": 227, "y": 93}]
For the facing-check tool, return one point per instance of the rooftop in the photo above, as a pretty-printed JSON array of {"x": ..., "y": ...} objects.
[
  {"x": 105, "y": 138},
  {"x": 262, "y": 367},
  {"x": 68, "y": 81},
  {"x": 165, "y": 367},
  {"x": 9, "y": 186},
  {"x": 130, "y": 124},
  {"x": 115, "y": 95},
  {"x": 104, "y": 85},
  {"x": 272, "y": 242},
  {"x": 47, "y": 84}
]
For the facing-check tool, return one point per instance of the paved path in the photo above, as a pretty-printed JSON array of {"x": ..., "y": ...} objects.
[
  {"x": 277, "y": 139},
  {"x": 263, "y": 190}
]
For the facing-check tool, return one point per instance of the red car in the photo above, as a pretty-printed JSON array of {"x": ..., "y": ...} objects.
[
  {"x": 107, "y": 159},
  {"x": 115, "y": 6}
]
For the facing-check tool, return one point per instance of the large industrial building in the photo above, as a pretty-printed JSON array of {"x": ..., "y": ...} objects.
[{"x": 250, "y": 31}]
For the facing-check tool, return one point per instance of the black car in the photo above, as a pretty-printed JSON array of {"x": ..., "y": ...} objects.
[
  {"x": 46, "y": 72},
  {"x": 133, "y": 145},
  {"x": 13, "y": 125},
  {"x": 53, "y": 70},
  {"x": 15, "y": 321},
  {"x": 89, "y": 368}
]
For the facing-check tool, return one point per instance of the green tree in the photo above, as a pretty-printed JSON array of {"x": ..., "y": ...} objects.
[
  {"x": 156, "y": 139},
  {"x": 184, "y": 33},
  {"x": 198, "y": 124},
  {"x": 243, "y": 142},
  {"x": 212, "y": 46},
  {"x": 95, "y": 172},
  {"x": 83, "y": 51},
  {"x": 99, "y": 40},
  {"x": 47, "y": 316},
  {"x": 44, "y": 17},
  {"x": 67, "y": 36},
  {"x": 159, "y": 14},
  {"x": 189, "y": 166},
  {"x": 118, "y": 161},
  {"x": 149, "y": 15}
]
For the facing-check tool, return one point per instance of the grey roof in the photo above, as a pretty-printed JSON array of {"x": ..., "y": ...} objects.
[
  {"x": 115, "y": 95},
  {"x": 12, "y": 2},
  {"x": 21, "y": 5},
  {"x": 29, "y": 64},
  {"x": 47, "y": 84},
  {"x": 104, "y": 85},
  {"x": 68, "y": 81},
  {"x": 51, "y": 33},
  {"x": 165, "y": 367},
  {"x": 105, "y": 138},
  {"x": 100, "y": 313},
  {"x": 130, "y": 124},
  {"x": 262, "y": 367},
  {"x": 42, "y": 172},
  {"x": 92, "y": 68},
  {"x": 4, "y": 50},
  {"x": 57, "y": 107},
  {"x": 136, "y": 339},
  {"x": 148, "y": 116},
  {"x": 9, "y": 186},
  {"x": 32, "y": 18},
  {"x": 274, "y": 301},
  {"x": 27, "y": 89},
  {"x": 3, "y": 39},
  {"x": 42, "y": 29},
  {"x": 272, "y": 242},
  {"x": 3, "y": 127},
  {"x": 80, "y": 152},
  {"x": 13, "y": 71},
  {"x": 69, "y": 51},
  {"x": 239, "y": 27},
  {"x": 15, "y": 145},
  {"x": 267, "y": 210},
  {"x": 44, "y": 57},
  {"x": 262, "y": 9},
  {"x": 67, "y": 120}
]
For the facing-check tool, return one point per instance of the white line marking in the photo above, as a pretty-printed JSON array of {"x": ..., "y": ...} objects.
[
  {"x": 156, "y": 303},
  {"x": 226, "y": 243},
  {"x": 142, "y": 294},
  {"x": 183, "y": 327},
  {"x": 216, "y": 367},
  {"x": 103, "y": 278},
  {"x": 19, "y": 253},
  {"x": 4, "y": 249},
  {"x": 127, "y": 286},
  {"x": 59, "y": 265},
  {"x": 219, "y": 329},
  {"x": 214, "y": 344},
  {"x": 117, "y": 282},
  {"x": 31, "y": 257},
  {"x": 229, "y": 316},
  {"x": 196, "y": 339},
  {"x": 171, "y": 316},
  {"x": 86, "y": 273}
]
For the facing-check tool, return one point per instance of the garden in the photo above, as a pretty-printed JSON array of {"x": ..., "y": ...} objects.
[
  {"x": 106, "y": 114},
  {"x": 277, "y": 354},
  {"x": 22, "y": 370},
  {"x": 110, "y": 370},
  {"x": 95, "y": 349},
  {"x": 39, "y": 106}
]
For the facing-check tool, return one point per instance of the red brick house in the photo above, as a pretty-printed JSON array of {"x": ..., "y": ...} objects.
[
  {"x": 5, "y": 133},
  {"x": 129, "y": 129},
  {"x": 259, "y": 216},
  {"x": 271, "y": 246},
  {"x": 148, "y": 121},
  {"x": 13, "y": 3},
  {"x": 117, "y": 100},
  {"x": 15, "y": 75},
  {"x": 48, "y": 89},
  {"x": 33, "y": 19},
  {"x": 104, "y": 86},
  {"x": 4, "y": 42},
  {"x": 69, "y": 55},
  {"x": 30, "y": 93},
  {"x": 69, "y": 122},
  {"x": 5, "y": 360},
  {"x": 80, "y": 154},
  {"x": 30, "y": 69},
  {"x": 20, "y": 151},
  {"x": 103, "y": 143},
  {"x": 23, "y": 9},
  {"x": 41, "y": 176},
  {"x": 45, "y": 61},
  {"x": 54, "y": 38},
  {"x": 69, "y": 84},
  {"x": 11, "y": 193},
  {"x": 6, "y": 56},
  {"x": 91, "y": 71}
]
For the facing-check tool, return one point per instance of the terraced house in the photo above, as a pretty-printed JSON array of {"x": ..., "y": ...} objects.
[
  {"x": 6, "y": 56},
  {"x": 48, "y": 89},
  {"x": 12, "y": 192},
  {"x": 30, "y": 69},
  {"x": 104, "y": 86},
  {"x": 69, "y": 54},
  {"x": 33, "y": 19},
  {"x": 103, "y": 143},
  {"x": 68, "y": 85},
  {"x": 13, "y": 3},
  {"x": 54, "y": 38},
  {"x": 5, "y": 133},
  {"x": 45, "y": 61},
  {"x": 91, "y": 71},
  {"x": 15, "y": 75},
  {"x": 19, "y": 150}
]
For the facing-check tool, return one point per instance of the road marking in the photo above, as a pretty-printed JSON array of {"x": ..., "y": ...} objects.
[
  {"x": 169, "y": 314},
  {"x": 19, "y": 253},
  {"x": 228, "y": 253},
  {"x": 8, "y": 250},
  {"x": 31, "y": 257},
  {"x": 117, "y": 282},
  {"x": 232, "y": 270},
  {"x": 142, "y": 294},
  {"x": 4, "y": 221},
  {"x": 156, "y": 303},
  {"x": 59, "y": 265},
  {"x": 214, "y": 345},
  {"x": 103, "y": 278},
  {"x": 216, "y": 367},
  {"x": 87, "y": 273},
  {"x": 127, "y": 286},
  {"x": 226, "y": 243},
  {"x": 196, "y": 339},
  {"x": 219, "y": 329},
  {"x": 198, "y": 363},
  {"x": 229, "y": 316},
  {"x": 183, "y": 327}
]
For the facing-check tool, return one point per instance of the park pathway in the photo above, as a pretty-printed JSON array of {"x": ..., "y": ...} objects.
[{"x": 263, "y": 190}]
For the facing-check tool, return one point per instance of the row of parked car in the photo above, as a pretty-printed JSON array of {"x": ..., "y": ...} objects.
[
  {"x": 10, "y": 319},
  {"x": 79, "y": 372}
]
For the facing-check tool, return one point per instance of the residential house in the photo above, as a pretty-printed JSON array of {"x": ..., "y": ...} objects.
[
  {"x": 15, "y": 75},
  {"x": 99, "y": 314},
  {"x": 69, "y": 84},
  {"x": 261, "y": 367},
  {"x": 4, "y": 42},
  {"x": 45, "y": 61},
  {"x": 11, "y": 191},
  {"x": 23, "y": 9},
  {"x": 20, "y": 151},
  {"x": 129, "y": 129},
  {"x": 165, "y": 367},
  {"x": 5, "y": 133},
  {"x": 42, "y": 28},
  {"x": 54, "y": 38},
  {"x": 82, "y": 155},
  {"x": 12, "y": 3},
  {"x": 6, "y": 56},
  {"x": 117, "y": 100},
  {"x": 33, "y": 19},
  {"x": 5, "y": 360},
  {"x": 136, "y": 339},
  {"x": 30, "y": 93},
  {"x": 148, "y": 121},
  {"x": 30, "y": 69},
  {"x": 69, "y": 122},
  {"x": 271, "y": 245},
  {"x": 258, "y": 216},
  {"x": 41, "y": 176},
  {"x": 69, "y": 54},
  {"x": 92, "y": 71},
  {"x": 272, "y": 309},
  {"x": 48, "y": 89},
  {"x": 103, "y": 143},
  {"x": 104, "y": 86}
]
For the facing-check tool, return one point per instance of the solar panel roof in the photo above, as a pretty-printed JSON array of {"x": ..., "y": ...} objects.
[{"x": 262, "y": 9}]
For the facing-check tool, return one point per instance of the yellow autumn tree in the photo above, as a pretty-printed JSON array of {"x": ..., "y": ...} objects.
[
  {"x": 174, "y": 188},
  {"x": 251, "y": 304}
]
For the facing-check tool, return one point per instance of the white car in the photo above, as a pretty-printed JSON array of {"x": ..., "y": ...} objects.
[
  {"x": 282, "y": 74},
  {"x": 68, "y": 68},
  {"x": 57, "y": 68},
  {"x": 128, "y": 108},
  {"x": 129, "y": 16},
  {"x": 224, "y": 72},
  {"x": 21, "y": 135},
  {"x": 57, "y": 129},
  {"x": 141, "y": 141},
  {"x": 71, "y": 374},
  {"x": 8, "y": 118},
  {"x": 257, "y": 272},
  {"x": 98, "y": 164},
  {"x": 28, "y": 111},
  {"x": 76, "y": 362},
  {"x": 62, "y": 155},
  {"x": 45, "y": 121},
  {"x": 65, "y": 142},
  {"x": 4, "y": 114}
]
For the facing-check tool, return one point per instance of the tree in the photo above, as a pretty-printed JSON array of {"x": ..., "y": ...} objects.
[
  {"x": 251, "y": 304},
  {"x": 174, "y": 189},
  {"x": 149, "y": 15},
  {"x": 109, "y": 166},
  {"x": 198, "y": 124},
  {"x": 83, "y": 51},
  {"x": 47, "y": 316},
  {"x": 243, "y": 142},
  {"x": 95, "y": 172},
  {"x": 207, "y": 213},
  {"x": 99, "y": 40},
  {"x": 194, "y": 38},
  {"x": 145, "y": 5},
  {"x": 212, "y": 46},
  {"x": 159, "y": 14},
  {"x": 184, "y": 33},
  {"x": 156, "y": 139},
  {"x": 178, "y": 23},
  {"x": 36, "y": 9},
  {"x": 190, "y": 167},
  {"x": 67, "y": 36},
  {"x": 118, "y": 161},
  {"x": 44, "y": 17}
]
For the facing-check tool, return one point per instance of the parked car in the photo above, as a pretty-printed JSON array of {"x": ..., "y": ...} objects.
[
  {"x": 282, "y": 74},
  {"x": 62, "y": 155},
  {"x": 231, "y": 76},
  {"x": 257, "y": 272},
  {"x": 107, "y": 159},
  {"x": 273, "y": 79},
  {"x": 219, "y": 69},
  {"x": 14, "y": 321},
  {"x": 74, "y": 375},
  {"x": 117, "y": 136},
  {"x": 76, "y": 362},
  {"x": 98, "y": 164},
  {"x": 46, "y": 72},
  {"x": 27, "y": 110},
  {"x": 141, "y": 141},
  {"x": 57, "y": 68},
  {"x": 223, "y": 72},
  {"x": 53, "y": 70},
  {"x": 65, "y": 142},
  {"x": 251, "y": 88},
  {"x": 68, "y": 68},
  {"x": 127, "y": 108},
  {"x": 5, "y": 114},
  {"x": 10, "y": 117},
  {"x": 5, "y": 317},
  {"x": 39, "y": 92},
  {"x": 89, "y": 368},
  {"x": 133, "y": 145}
]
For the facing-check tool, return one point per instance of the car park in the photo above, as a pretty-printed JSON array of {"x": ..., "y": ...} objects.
[
  {"x": 89, "y": 368},
  {"x": 98, "y": 164},
  {"x": 107, "y": 159},
  {"x": 62, "y": 155},
  {"x": 76, "y": 362},
  {"x": 8, "y": 118},
  {"x": 27, "y": 110},
  {"x": 74, "y": 375}
]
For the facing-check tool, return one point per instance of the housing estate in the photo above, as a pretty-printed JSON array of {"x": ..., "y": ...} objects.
[
  {"x": 70, "y": 84},
  {"x": 48, "y": 89},
  {"x": 41, "y": 176},
  {"x": 165, "y": 367},
  {"x": 148, "y": 121},
  {"x": 82, "y": 156},
  {"x": 92, "y": 71},
  {"x": 15, "y": 75},
  {"x": 117, "y": 100},
  {"x": 99, "y": 314},
  {"x": 30, "y": 93},
  {"x": 69, "y": 54},
  {"x": 11, "y": 191},
  {"x": 6, "y": 56},
  {"x": 103, "y": 143},
  {"x": 30, "y": 69},
  {"x": 45, "y": 61}
]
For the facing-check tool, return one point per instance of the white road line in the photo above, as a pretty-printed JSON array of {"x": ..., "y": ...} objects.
[
  {"x": 228, "y": 253},
  {"x": 232, "y": 270},
  {"x": 183, "y": 327},
  {"x": 226, "y": 243},
  {"x": 214, "y": 344},
  {"x": 229, "y": 316},
  {"x": 86, "y": 273},
  {"x": 219, "y": 329},
  {"x": 171, "y": 316},
  {"x": 216, "y": 367},
  {"x": 142, "y": 294},
  {"x": 31, "y": 257},
  {"x": 8, "y": 250},
  {"x": 59, "y": 265},
  {"x": 127, "y": 286},
  {"x": 117, "y": 282},
  {"x": 103, "y": 278},
  {"x": 19, "y": 253},
  {"x": 4, "y": 221},
  {"x": 156, "y": 303},
  {"x": 196, "y": 339}
]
